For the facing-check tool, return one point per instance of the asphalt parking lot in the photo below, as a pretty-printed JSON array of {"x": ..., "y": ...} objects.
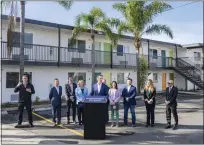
[{"x": 190, "y": 111}]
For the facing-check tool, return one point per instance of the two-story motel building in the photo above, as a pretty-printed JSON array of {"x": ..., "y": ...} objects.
[{"x": 47, "y": 56}]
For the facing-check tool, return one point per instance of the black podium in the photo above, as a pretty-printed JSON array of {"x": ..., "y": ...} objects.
[{"x": 94, "y": 117}]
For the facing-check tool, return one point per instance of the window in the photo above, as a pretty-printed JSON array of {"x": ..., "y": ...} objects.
[
  {"x": 155, "y": 77},
  {"x": 153, "y": 53},
  {"x": 197, "y": 56},
  {"x": 12, "y": 79},
  {"x": 77, "y": 46},
  {"x": 81, "y": 46},
  {"x": 28, "y": 39},
  {"x": 120, "y": 50},
  {"x": 77, "y": 76},
  {"x": 120, "y": 78}
]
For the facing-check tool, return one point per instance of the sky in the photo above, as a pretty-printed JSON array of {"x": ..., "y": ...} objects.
[{"x": 186, "y": 22}]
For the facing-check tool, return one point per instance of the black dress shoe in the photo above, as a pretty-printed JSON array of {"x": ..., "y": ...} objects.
[
  {"x": 175, "y": 127},
  {"x": 31, "y": 125},
  {"x": 134, "y": 125},
  {"x": 168, "y": 126},
  {"x": 146, "y": 125},
  {"x": 152, "y": 125},
  {"x": 18, "y": 125}
]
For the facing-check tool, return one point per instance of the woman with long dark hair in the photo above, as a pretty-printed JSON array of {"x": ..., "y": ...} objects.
[{"x": 114, "y": 97}]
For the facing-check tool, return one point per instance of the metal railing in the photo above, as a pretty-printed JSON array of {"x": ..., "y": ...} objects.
[{"x": 45, "y": 53}]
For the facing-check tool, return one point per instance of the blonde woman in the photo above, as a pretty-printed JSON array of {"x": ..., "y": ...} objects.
[
  {"x": 81, "y": 93},
  {"x": 149, "y": 98}
]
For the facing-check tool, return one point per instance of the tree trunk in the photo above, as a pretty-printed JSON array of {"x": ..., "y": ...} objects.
[
  {"x": 93, "y": 58},
  {"x": 138, "y": 72},
  {"x": 22, "y": 27}
]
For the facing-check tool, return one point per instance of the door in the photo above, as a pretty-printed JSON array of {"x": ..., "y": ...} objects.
[
  {"x": 171, "y": 76},
  {"x": 163, "y": 57},
  {"x": 107, "y": 53},
  {"x": 163, "y": 81},
  {"x": 170, "y": 57}
]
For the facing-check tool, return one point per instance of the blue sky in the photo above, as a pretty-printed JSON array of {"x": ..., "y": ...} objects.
[{"x": 186, "y": 22}]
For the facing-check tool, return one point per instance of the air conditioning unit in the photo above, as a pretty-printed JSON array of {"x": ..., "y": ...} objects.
[
  {"x": 14, "y": 97},
  {"x": 77, "y": 60},
  {"x": 123, "y": 62},
  {"x": 17, "y": 57}
]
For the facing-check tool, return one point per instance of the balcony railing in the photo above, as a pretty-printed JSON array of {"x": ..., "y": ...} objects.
[{"x": 49, "y": 54}]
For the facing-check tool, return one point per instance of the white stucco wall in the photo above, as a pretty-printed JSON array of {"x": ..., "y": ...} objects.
[{"x": 43, "y": 76}]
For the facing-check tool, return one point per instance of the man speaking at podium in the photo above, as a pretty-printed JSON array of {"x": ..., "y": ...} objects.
[{"x": 100, "y": 89}]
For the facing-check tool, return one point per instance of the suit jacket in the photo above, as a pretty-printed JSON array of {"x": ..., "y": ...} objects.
[
  {"x": 24, "y": 96},
  {"x": 131, "y": 94},
  {"x": 150, "y": 95},
  {"x": 172, "y": 95},
  {"x": 103, "y": 91},
  {"x": 79, "y": 95},
  {"x": 55, "y": 97},
  {"x": 68, "y": 91}
]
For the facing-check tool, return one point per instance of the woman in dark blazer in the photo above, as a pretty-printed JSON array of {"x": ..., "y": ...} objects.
[{"x": 149, "y": 99}]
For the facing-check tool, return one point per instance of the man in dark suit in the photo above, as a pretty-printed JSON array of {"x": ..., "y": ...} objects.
[
  {"x": 56, "y": 101},
  {"x": 129, "y": 93},
  {"x": 107, "y": 104},
  {"x": 71, "y": 99},
  {"x": 25, "y": 90},
  {"x": 171, "y": 104}
]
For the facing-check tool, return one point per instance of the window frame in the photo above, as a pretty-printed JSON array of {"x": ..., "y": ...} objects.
[
  {"x": 155, "y": 80},
  {"x": 121, "y": 81}
]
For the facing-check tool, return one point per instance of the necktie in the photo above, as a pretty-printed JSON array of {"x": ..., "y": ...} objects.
[{"x": 169, "y": 89}]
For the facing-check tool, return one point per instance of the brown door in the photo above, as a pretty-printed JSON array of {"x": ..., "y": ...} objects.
[{"x": 163, "y": 81}]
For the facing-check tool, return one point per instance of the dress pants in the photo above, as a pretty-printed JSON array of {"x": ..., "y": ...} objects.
[
  {"x": 132, "y": 110},
  {"x": 72, "y": 105},
  {"x": 80, "y": 113},
  {"x": 150, "y": 112},
  {"x": 21, "y": 106},
  {"x": 56, "y": 112},
  {"x": 173, "y": 109}
]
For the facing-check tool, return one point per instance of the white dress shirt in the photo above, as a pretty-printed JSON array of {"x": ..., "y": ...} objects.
[
  {"x": 128, "y": 88},
  {"x": 99, "y": 87},
  {"x": 57, "y": 88}
]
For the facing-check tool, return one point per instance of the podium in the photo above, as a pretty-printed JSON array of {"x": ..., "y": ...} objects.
[{"x": 94, "y": 117}]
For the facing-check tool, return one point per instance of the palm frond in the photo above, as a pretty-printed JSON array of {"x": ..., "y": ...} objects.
[
  {"x": 123, "y": 28},
  {"x": 66, "y": 4},
  {"x": 156, "y": 7},
  {"x": 11, "y": 24},
  {"x": 97, "y": 12},
  {"x": 121, "y": 7},
  {"x": 159, "y": 29},
  {"x": 103, "y": 26},
  {"x": 75, "y": 33},
  {"x": 113, "y": 22}
]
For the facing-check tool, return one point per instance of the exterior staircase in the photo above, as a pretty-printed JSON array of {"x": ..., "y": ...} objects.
[{"x": 193, "y": 74}]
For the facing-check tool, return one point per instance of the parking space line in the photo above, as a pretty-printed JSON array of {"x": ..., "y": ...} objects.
[{"x": 71, "y": 130}]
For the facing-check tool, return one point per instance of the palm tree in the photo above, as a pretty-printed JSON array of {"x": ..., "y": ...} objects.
[
  {"x": 12, "y": 23},
  {"x": 138, "y": 21},
  {"x": 94, "y": 20}
]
